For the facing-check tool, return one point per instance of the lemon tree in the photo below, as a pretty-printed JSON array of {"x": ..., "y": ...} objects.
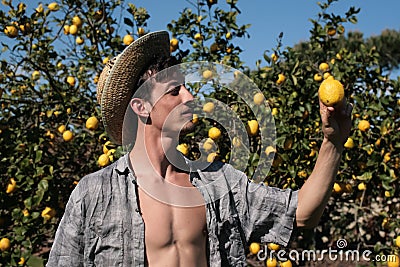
[{"x": 52, "y": 135}]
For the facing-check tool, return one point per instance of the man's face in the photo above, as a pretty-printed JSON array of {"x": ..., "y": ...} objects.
[{"x": 171, "y": 111}]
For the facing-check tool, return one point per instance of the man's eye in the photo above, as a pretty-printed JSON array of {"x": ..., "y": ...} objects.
[{"x": 175, "y": 91}]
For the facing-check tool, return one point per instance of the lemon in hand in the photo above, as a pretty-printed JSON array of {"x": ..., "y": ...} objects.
[{"x": 331, "y": 92}]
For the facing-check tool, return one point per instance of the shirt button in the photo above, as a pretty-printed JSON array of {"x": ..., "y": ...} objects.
[{"x": 137, "y": 210}]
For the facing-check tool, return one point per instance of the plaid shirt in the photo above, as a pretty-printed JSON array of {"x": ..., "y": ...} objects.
[{"x": 102, "y": 224}]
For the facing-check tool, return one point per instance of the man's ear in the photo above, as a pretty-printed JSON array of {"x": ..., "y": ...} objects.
[{"x": 140, "y": 107}]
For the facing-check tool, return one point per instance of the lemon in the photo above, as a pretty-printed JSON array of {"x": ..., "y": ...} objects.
[
  {"x": 105, "y": 60},
  {"x": 387, "y": 194},
  {"x": 302, "y": 174},
  {"x": 211, "y": 157},
  {"x": 274, "y": 111},
  {"x": 274, "y": 57},
  {"x": 349, "y": 143},
  {"x": 331, "y": 92},
  {"x": 198, "y": 37},
  {"x": 393, "y": 261},
  {"x": 327, "y": 75},
  {"x": 66, "y": 29},
  {"x": 364, "y": 125},
  {"x": 128, "y": 39},
  {"x": 254, "y": 248},
  {"x": 386, "y": 157},
  {"x": 397, "y": 241},
  {"x": 287, "y": 263},
  {"x": 271, "y": 262},
  {"x": 214, "y": 133},
  {"x": 339, "y": 56},
  {"x": 252, "y": 127},
  {"x": 337, "y": 188},
  {"x": 323, "y": 66},
  {"x": 317, "y": 77},
  {"x": 71, "y": 80},
  {"x": 5, "y": 244},
  {"x": 195, "y": 118},
  {"x": 48, "y": 213},
  {"x": 208, "y": 107},
  {"x": 141, "y": 31},
  {"x": 183, "y": 148},
  {"x": 53, "y": 6},
  {"x": 207, "y": 74},
  {"x": 281, "y": 79},
  {"x": 35, "y": 75},
  {"x": 73, "y": 29},
  {"x": 12, "y": 185},
  {"x": 269, "y": 150},
  {"x": 61, "y": 128},
  {"x": 273, "y": 246},
  {"x": 174, "y": 42},
  {"x": 174, "y": 48},
  {"x": 25, "y": 212},
  {"x": 103, "y": 160},
  {"x": 107, "y": 146},
  {"x": 77, "y": 21},
  {"x": 92, "y": 123},
  {"x": 331, "y": 31},
  {"x": 68, "y": 136},
  {"x": 79, "y": 40},
  {"x": 208, "y": 144},
  {"x": 361, "y": 186},
  {"x": 11, "y": 31},
  {"x": 258, "y": 98},
  {"x": 39, "y": 9},
  {"x": 21, "y": 261},
  {"x": 228, "y": 35}
]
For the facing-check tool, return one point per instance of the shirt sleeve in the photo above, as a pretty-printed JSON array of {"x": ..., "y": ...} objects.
[
  {"x": 68, "y": 247},
  {"x": 268, "y": 213}
]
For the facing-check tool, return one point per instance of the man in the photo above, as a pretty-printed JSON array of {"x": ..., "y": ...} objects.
[{"x": 147, "y": 209}]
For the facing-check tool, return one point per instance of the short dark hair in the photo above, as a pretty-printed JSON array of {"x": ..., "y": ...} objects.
[{"x": 158, "y": 64}]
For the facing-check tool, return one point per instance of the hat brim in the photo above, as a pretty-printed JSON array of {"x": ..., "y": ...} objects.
[{"x": 122, "y": 79}]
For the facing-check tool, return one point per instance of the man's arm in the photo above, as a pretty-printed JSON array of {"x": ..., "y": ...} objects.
[{"x": 314, "y": 194}]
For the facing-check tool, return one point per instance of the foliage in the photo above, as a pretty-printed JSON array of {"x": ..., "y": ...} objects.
[{"x": 38, "y": 95}]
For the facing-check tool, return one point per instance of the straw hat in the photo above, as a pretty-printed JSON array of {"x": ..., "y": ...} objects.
[{"x": 119, "y": 77}]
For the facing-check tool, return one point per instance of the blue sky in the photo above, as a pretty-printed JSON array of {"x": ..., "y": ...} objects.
[{"x": 270, "y": 17}]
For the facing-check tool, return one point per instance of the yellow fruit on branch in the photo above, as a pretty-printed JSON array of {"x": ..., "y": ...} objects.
[
  {"x": 317, "y": 77},
  {"x": 141, "y": 31},
  {"x": 273, "y": 246},
  {"x": 362, "y": 186},
  {"x": 208, "y": 107},
  {"x": 397, "y": 241},
  {"x": 211, "y": 157},
  {"x": 77, "y": 21},
  {"x": 323, "y": 67},
  {"x": 198, "y": 37},
  {"x": 11, "y": 186},
  {"x": 68, "y": 135},
  {"x": 40, "y": 8},
  {"x": 252, "y": 127},
  {"x": 349, "y": 143},
  {"x": 195, "y": 118},
  {"x": 393, "y": 261},
  {"x": 71, "y": 80},
  {"x": 281, "y": 79},
  {"x": 11, "y": 31},
  {"x": 327, "y": 75},
  {"x": 364, "y": 125},
  {"x": 287, "y": 263},
  {"x": 92, "y": 123},
  {"x": 66, "y": 29},
  {"x": 183, "y": 148},
  {"x": 258, "y": 98},
  {"x": 207, "y": 74},
  {"x": 53, "y": 6},
  {"x": 128, "y": 39},
  {"x": 254, "y": 248},
  {"x": 174, "y": 42},
  {"x": 214, "y": 133},
  {"x": 331, "y": 92},
  {"x": 271, "y": 262},
  {"x": 228, "y": 35},
  {"x": 5, "y": 244},
  {"x": 79, "y": 40},
  {"x": 61, "y": 128},
  {"x": 73, "y": 29},
  {"x": 208, "y": 144},
  {"x": 103, "y": 160},
  {"x": 331, "y": 31},
  {"x": 35, "y": 75},
  {"x": 274, "y": 57},
  {"x": 21, "y": 261},
  {"x": 48, "y": 213}
]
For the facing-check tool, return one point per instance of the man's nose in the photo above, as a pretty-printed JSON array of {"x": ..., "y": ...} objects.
[{"x": 187, "y": 95}]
